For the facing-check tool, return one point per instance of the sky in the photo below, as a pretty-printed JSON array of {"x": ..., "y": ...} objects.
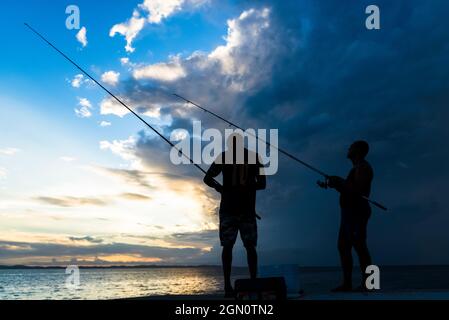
[{"x": 82, "y": 181}]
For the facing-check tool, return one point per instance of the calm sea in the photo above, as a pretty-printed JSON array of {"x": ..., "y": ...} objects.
[{"x": 119, "y": 283}]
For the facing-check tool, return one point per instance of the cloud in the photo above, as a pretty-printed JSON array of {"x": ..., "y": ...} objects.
[
  {"x": 77, "y": 81},
  {"x": 111, "y": 106},
  {"x": 85, "y": 108},
  {"x": 153, "y": 12},
  {"x": 110, "y": 77},
  {"x": 122, "y": 148},
  {"x": 88, "y": 239},
  {"x": 135, "y": 197},
  {"x": 136, "y": 177},
  {"x": 165, "y": 72},
  {"x": 249, "y": 26},
  {"x": 196, "y": 236},
  {"x": 160, "y": 9},
  {"x": 95, "y": 253},
  {"x": 68, "y": 202},
  {"x": 124, "y": 61},
  {"x": 9, "y": 151},
  {"x": 81, "y": 36},
  {"x": 105, "y": 124},
  {"x": 129, "y": 29},
  {"x": 223, "y": 76}
]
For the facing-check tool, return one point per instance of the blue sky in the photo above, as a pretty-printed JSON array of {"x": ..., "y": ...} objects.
[{"x": 73, "y": 189}]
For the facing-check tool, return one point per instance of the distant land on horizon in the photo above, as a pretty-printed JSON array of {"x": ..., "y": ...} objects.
[
  {"x": 3, "y": 267},
  {"x": 324, "y": 268}
]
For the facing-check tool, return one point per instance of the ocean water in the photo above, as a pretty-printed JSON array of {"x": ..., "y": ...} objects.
[
  {"x": 118, "y": 283},
  {"x": 114, "y": 283}
]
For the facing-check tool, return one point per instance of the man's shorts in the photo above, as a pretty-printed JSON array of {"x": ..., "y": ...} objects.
[{"x": 231, "y": 225}]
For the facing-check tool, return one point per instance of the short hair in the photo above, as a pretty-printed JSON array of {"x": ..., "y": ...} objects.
[{"x": 362, "y": 147}]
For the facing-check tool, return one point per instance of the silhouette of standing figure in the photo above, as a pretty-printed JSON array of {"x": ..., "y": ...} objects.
[
  {"x": 242, "y": 177},
  {"x": 355, "y": 213}
]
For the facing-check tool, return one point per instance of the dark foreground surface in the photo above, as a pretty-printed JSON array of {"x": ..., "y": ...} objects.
[{"x": 205, "y": 283}]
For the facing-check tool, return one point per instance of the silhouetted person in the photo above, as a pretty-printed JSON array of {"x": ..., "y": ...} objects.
[
  {"x": 355, "y": 213},
  {"x": 241, "y": 180}
]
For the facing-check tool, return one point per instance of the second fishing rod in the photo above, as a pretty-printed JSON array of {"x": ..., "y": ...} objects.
[{"x": 288, "y": 154}]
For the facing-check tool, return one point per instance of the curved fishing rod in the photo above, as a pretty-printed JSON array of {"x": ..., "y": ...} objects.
[
  {"x": 115, "y": 97},
  {"x": 307, "y": 165}
]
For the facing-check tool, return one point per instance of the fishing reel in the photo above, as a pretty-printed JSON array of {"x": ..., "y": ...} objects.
[{"x": 323, "y": 184}]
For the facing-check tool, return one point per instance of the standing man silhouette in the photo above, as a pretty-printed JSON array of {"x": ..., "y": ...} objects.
[
  {"x": 242, "y": 177},
  {"x": 355, "y": 213}
]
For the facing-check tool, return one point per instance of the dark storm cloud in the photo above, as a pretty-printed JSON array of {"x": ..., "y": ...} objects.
[
  {"x": 336, "y": 83},
  {"x": 344, "y": 83}
]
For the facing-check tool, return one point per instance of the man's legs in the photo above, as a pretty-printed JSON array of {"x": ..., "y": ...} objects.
[
  {"x": 248, "y": 233},
  {"x": 228, "y": 235},
  {"x": 252, "y": 261},
  {"x": 361, "y": 248},
  {"x": 226, "y": 258},
  {"x": 345, "y": 248}
]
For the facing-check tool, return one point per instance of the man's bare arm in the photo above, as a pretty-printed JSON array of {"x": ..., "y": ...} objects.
[
  {"x": 361, "y": 183},
  {"x": 212, "y": 173}
]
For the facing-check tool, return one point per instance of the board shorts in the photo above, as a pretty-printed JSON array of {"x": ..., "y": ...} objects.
[{"x": 230, "y": 227}]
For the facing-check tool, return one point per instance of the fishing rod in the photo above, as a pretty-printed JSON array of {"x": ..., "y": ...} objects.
[
  {"x": 162, "y": 136},
  {"x": 289, "y": 155},
  {"x": 266, "y": 142},
  {"x": 115, "y": 97},
  {"x": 121, "y": 102}
]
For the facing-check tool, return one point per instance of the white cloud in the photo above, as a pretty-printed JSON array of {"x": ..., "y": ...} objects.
[
  {"x": 110, "y": 77},
  {"x": 76, "y": 82},
  {"x": 124, "y": 61},
  {"x": 243, "y": 63},
  {"x": 244, "y": 34},
  {"x": 85, "y": 107},
  {"x": 123, "y": 148},
  {"x": 105, "y": 124},
  {"x": 160, "y": 9},
  {"x": 2, "y": 173},
  {"x": 111, "y": 106},
  {"x": 165, "y": 72},
  {"x": 151, "y": 11},
  {"x": 81, "y": 36},
  {"x": 9, "y": 151},
  {"x": 129, "y": 29},
  {"x": 79, "y": 80}
]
